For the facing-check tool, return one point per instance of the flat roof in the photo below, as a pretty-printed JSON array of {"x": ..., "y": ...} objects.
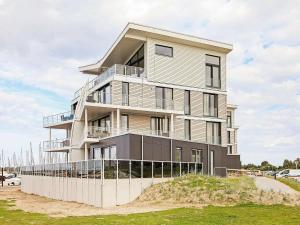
[{"x": 138, "y": 31}]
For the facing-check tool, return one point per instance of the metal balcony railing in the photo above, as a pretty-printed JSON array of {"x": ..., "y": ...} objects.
[
  {"x": 56, "y": 144},
  {"x": 116, "y": 69},
  {"x": 57, "y": 119}
]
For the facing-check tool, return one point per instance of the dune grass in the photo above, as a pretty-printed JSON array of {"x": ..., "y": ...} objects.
[
  {"x": 239, "y": 215},
  {"x": 291, "y": 183}
]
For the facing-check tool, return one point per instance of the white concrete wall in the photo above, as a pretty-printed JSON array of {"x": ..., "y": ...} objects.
[{"x": 111, "y": 193}]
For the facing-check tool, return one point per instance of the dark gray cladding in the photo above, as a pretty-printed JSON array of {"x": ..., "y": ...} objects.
[{"x": 129, "y": 146}]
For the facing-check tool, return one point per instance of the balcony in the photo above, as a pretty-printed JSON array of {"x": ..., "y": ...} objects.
[
  {"x": 134, "y": 101},
  {"x": 56, "y": 145},
  {"x": 58, "y": 120},
  {"x": 103, "y": 132},
  {"x": 117, "y": 69}
]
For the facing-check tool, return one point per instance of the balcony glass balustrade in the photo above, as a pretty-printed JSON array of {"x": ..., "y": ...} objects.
[
  {"x": 117, "y": 69},
  {"x": 56, "y": 144},
  {"x": 57, "y": 119}
]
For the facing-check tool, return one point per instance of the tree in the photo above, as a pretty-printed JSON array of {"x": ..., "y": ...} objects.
[{"x": 288, "y": 164}]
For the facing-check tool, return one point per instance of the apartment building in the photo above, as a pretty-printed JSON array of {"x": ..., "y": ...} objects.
[{"x": 155, "y": 95}]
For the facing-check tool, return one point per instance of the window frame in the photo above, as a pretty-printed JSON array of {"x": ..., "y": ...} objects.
[
  {"x": 216, "y": 104},
  {"x": 211, "y": 66},
  {"x": 132, "y": 61},
  {"x": 162, "y": 54},
  {"x": 187, "y": 97},
  {"x": 161, "y": 103},
  {"x": 212, "y": 137},
  {"x": 187, "y": 136}
]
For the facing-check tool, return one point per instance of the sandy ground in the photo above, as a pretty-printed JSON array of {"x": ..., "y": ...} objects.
[{"x": 56, "y": 208}]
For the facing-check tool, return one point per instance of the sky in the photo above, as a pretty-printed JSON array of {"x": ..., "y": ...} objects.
[{"x": 43, "y": 42}]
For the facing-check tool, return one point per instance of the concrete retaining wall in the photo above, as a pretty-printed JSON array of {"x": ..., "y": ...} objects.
[{"x": 109, "y": 193}]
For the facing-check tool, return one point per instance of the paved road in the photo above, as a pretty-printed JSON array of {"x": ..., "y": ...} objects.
[{"x": 269, "y": 184}]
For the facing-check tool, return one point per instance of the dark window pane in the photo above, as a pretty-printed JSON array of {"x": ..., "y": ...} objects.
[
  {"x": 110, "y": 169},
  {"x": 184, "y": 168},
  {"x": 157, "y": 169},
  {"x": 199, "y": 168},
  {"x": 192, "y": 167},
  {"x": 167, "y": 169},
  {"x": 123, "y": 169},
  {"x": 147, "y": 169},
  {"x": 164, "y": 50},
  {"x": 136, "y": 169},
  {"x": 176, "y": 169}
]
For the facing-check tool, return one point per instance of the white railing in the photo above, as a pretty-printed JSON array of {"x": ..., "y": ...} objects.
[
  {"x": 58, "y": 118},
  {"x": 134, "y": 101},
  {"x": 56, "y": 144},
  {"x": 116, "y": 69}
]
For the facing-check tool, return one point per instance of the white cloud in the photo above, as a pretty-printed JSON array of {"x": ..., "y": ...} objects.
[{"x": 43, "y": 42}]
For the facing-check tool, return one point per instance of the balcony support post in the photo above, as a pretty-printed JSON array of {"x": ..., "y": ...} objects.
[
  {"x": 172, "y": 125},
  {"x": 118, "y": 121},
  {"x": 112, "y": 123},
  {"x": 85, "y": 123},
  {"x": 86, "y": 155}
]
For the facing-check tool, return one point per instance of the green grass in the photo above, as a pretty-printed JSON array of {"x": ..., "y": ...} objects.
[
  {"x": 291, "y": 183},
  {"x": 202, "y": 190},
  {"x": 237, "y": 215}
]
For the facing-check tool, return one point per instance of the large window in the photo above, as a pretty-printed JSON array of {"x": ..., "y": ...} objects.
[
  {"x": 229, "y": 119},
  {"x": 178, "y": 154},
  {"x": 104, "y": 123},
  {"x": 160, "y": 126},
  {"x": 137, "y": 59},
  {"x": 125, "y": 93},
  {"x": 187, "y": 129},
  {"x": 164, "y": 50},
  {"x": 164, "y": 98},
  {"x": 197, "y": 155},
  {"x": 213, "y": 133},
  {"x": 210, "y": 105},
  {"x": 105, "y": 95},
  {"x": 213, "y": 71},
  {"x": 187, "y": 102}
]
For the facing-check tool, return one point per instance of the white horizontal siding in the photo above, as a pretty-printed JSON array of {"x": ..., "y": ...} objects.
[{"x": 186, "y": 67}]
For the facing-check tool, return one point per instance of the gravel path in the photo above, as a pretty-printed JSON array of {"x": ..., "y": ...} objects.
[{"x": 268, "y": 184}]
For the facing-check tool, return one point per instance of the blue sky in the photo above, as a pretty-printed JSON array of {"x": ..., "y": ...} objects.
[{"x": 42, "y": 44}]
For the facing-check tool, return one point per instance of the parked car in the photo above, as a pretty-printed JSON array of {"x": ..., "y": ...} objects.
[
  {"x": 13, "y": 181},
  {"x": 289, "y": 173}
]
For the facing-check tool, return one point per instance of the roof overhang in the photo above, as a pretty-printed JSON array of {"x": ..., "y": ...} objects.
[{"x": 135, "y": 34}]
